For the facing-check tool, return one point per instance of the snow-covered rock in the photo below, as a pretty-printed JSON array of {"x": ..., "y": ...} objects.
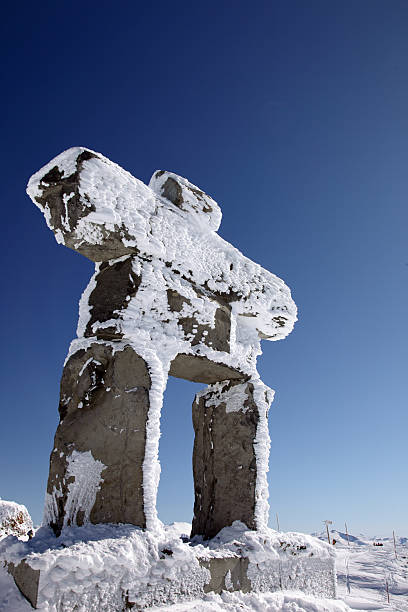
[
  {"x": 98, "y": 209},
  {"x": 169, "y": 297},
  {"x": 14, "y": 519}
]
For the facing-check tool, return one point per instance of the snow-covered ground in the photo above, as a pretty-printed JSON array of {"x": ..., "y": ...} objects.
[
  {"x": 285, "y": 601},
  {"x": 362, "y": 571}
]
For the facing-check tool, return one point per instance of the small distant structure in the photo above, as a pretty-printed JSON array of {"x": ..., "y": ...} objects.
[{"x": 327, "y": 523}]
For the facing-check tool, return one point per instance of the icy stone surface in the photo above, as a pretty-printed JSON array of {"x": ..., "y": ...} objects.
[
  {"x": 96, "y": 472},
  {"x": 231, "y": 445}
]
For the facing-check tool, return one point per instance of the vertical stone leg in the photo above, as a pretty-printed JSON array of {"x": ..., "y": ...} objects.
[
  {"x": 230, "y": 457},
  {"x": 96, "y": 467}
]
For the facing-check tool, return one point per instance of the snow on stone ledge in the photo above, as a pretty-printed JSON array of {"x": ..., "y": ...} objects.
[
  {"x": 267, "y": 543},
  {"x": 101, "y": 567}
]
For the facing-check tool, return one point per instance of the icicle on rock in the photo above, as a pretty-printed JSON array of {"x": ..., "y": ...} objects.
[{"x": 169, "y": 296}]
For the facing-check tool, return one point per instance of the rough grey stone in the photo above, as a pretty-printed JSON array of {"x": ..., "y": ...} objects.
[
  {"x": 116, "y": 283},
  {"x": 224, "y": 462},
  {"x": 103, "y": 407},
  {"x": 54, "y": 185},
  {"x": 217, "y": 337},
  {"x": 27, "y": 579},
  {"x": 186, "y": 197},
  {"x": 172, "y": 191},
  {"x": 219, "y": 568},
  {"x": 201, "y": 369}
]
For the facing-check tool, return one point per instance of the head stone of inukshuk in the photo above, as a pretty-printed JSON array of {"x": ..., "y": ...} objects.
[{"x": 169, "y": 296}]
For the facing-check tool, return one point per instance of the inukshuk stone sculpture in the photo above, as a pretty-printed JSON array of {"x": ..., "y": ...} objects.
[{"x": 169, "y": 296}]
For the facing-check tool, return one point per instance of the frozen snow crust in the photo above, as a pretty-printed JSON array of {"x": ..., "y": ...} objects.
[{"x": 106, "y": 567}]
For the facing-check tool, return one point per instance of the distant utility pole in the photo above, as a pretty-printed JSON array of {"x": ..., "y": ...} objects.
[
  {"x": 395, "y": 545},
  {"x": 327, "y": 523},
  {"x": 277, "y": 521},
  {"x": 348, "y": 540}
]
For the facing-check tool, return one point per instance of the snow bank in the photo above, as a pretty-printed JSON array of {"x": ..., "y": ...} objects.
[{"x": 285, "y": 601}]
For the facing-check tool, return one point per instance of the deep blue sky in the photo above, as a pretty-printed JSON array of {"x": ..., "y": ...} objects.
[{"x": 293, "y": 115}]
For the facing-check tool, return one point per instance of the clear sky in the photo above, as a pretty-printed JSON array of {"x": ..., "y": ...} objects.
[{"x": 293, "y": 115}]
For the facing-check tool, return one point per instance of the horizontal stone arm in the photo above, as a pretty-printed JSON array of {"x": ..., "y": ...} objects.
[
  {"x": 85, "y": 200},
  {"x": 98, "y": 209}
]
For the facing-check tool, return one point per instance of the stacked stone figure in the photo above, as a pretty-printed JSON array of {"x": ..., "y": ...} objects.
[{"x": 169, "y": 297}]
